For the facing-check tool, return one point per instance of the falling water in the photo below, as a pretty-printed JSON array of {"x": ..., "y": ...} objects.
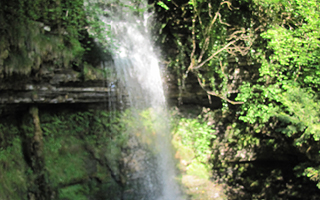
[{"x": 152, "y": 169}]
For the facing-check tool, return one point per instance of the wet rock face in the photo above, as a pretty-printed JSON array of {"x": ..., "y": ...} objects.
[
  {"x": 43, "y": 93},
  {"x": 91, "y": 85},
  {"x": 58, "y": 86},
  {"x": 189, "y": 95},
  {"x": 61, "y": 86}
]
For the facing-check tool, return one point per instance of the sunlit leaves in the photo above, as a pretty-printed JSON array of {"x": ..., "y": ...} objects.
[
  {"x": 163, "y": 5},
  {"x": 296, "y": 45},
  {"x": 313, "y": 174},
  {"x": 197, "y": 135},
  {"x": 293, "y": 64},
  {"x": 302, "y": 112},
  {"x": 287, "y": 91}
]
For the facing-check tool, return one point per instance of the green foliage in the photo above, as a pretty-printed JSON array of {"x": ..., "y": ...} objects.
[
  {"x": 39, "y": 32},
  {"x": 263, "y": 97},
  {"x": 78, "y": 146},
  {"x": 67, "y": 138},
  {"x": 295, "y": 47},
  {"x": 203, "y": 34},
  {"x": 197, "y": 135},
  {"x": 74, "y": 192},
  {"x": 313, "y": 174},
  {"x": 302, "y": 113},
  {"x": 13, "y": 181},
  {"x": 98, "y": 29},
  {"x": 278, "y": 81},
  {"x": 163, "y": 5},
  {"x": 286, "y": 93},
  {"x": 200, "y": 170},
  {"x": 192, "y": 138}
]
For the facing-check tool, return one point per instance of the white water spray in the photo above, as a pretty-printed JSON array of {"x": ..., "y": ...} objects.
[{"x": 153, "y": 174}]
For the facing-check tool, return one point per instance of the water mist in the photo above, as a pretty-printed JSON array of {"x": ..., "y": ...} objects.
[{"x": 151, "y": 169}]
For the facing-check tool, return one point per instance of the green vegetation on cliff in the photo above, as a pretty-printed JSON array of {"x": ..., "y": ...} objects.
[
  {"x": 42, "y": 35},
  {"x": 80, "y": 156},
  {"x": 261, "y": 58}
]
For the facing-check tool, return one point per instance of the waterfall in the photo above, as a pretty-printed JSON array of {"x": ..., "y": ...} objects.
[{"x": 151, "y": 173}]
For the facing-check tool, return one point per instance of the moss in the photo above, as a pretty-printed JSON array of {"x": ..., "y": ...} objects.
[
  {"x": 30, "y": 47},
  {"x": 13, "y": 181},
  {"x": 91, "y": 73},
  {"x": 78, "y": 147},
  {"x": 199, "y": 170},
  {"x": 26, "y": 44},
  {"x": 39, "y": 33}
]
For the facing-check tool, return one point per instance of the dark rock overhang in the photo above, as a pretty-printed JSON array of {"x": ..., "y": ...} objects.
[
  {"x": 60, "y": 86},
  {"x": 67, "y": 86},
  {"x": 37, "y": 93}
]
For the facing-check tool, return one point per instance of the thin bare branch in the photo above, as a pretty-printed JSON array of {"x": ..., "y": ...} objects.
[
  {"x": 210, "y": 7},
  {"x": 192, "y": 61},
  {"x": 207, "y": 36},
  {"x": 222, "y": 21},
  {"x": 217, "y": 95},
  {"x": 214, "y": 54},
  {"x": 237, "y": 44},
  {"x": 204, "y": 48},
  {"x": 228, "y": 4},
  {"x": 235, "y": 34},
  {"x": 175, "y": 4}
]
